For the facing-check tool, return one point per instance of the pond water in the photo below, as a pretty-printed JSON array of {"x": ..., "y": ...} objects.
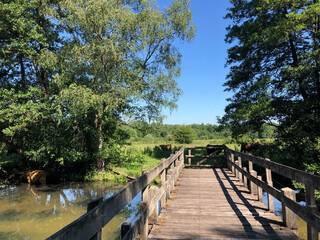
[
  {"x": 302, "y": 225},
  {"x": 30, "y": 212}
]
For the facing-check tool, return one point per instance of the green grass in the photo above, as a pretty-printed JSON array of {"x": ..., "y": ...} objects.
[{"x": 195, "y": 143}]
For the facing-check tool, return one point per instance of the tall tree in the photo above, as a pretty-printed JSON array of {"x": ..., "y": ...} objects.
[
  {"x": 93, "y": 61},
  {"x": 274, "y": 71}
]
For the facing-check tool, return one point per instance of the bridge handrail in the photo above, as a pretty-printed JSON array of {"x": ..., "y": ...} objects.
[
  {"x": 306, "y": 178},
  {"x": 89, "y": 224},
  {"x": 310, "y": 180}
]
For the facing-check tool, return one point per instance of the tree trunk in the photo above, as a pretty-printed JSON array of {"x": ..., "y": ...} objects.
[
  {"x": 100, "y": 161},
  {"x": 22, "y": 73}
]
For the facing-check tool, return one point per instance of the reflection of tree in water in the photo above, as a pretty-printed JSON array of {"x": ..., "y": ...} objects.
[
  {"x": 11, "y": 215},
  {"x": 74, "y": 195},
  {"x": 51, "y": 207}
]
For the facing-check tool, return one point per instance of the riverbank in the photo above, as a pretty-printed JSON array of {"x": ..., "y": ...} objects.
[{"x": 125, "y": 166}]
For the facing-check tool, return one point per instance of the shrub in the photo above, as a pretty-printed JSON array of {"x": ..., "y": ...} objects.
[{"x": 184, "y": 134}]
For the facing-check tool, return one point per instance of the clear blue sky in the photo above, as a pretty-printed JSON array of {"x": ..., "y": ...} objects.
[{"x": 202, "y": 69}]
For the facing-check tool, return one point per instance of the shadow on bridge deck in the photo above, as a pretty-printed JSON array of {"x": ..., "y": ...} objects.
[{"x": 213, "y": 204}]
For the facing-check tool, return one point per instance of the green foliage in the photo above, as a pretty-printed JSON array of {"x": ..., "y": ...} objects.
[
  {"x": 274, "y": 74},
  {"x": 184, "y": 134},
  {"x": 71, "y": 70}
]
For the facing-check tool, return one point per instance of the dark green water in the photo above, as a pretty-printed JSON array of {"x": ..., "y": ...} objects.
[{"x": 38, "y": 212}]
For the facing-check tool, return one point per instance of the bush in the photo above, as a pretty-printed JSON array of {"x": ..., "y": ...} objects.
[{"x": 184, "y": 134}]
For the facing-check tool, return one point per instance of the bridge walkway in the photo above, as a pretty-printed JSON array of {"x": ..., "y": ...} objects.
[{"x": 213, "y": 204}]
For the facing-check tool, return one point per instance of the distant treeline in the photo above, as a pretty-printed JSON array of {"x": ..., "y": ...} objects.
[{"x": 139, "y": 131}]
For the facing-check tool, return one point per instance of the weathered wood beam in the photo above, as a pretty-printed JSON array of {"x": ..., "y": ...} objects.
[
  {"x": 309, "y": 179},
  {"x": 301, "y": 211}
]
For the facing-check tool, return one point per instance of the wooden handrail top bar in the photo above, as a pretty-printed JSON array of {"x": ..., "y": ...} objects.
[
  {"x": 306, "y": 178},
  {"x": 203, "y": 156},
  {"x": 211, "y": 147}
]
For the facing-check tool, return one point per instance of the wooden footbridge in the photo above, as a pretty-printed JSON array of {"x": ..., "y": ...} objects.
[{"x": 205, "y": 203}]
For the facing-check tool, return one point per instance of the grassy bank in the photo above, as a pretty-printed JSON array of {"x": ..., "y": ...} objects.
[
  {"x": 147, "y": 156},
  {"x": 124, "y": 163}
]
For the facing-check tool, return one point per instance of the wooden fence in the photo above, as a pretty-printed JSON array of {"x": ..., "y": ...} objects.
[
  {"x": 89, "y": 226},
  {"x": 202, "y": 160},
  {"x": 286, "y": 195}
]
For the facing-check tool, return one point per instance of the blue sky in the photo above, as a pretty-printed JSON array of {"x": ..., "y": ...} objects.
[{"x": 202, "y": 69}]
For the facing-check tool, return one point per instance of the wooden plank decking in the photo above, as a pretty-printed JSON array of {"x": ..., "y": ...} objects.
[{"x": 212, "y": 204}]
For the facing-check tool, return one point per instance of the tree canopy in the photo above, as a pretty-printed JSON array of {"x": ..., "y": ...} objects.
[
  {"x": 71, "y": 70},
  {"x": 274, "y": 72}
]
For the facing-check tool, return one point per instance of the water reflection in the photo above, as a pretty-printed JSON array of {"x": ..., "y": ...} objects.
[
  {"x": 302, "y": 225},
  {"x": 30, "y": 212}
]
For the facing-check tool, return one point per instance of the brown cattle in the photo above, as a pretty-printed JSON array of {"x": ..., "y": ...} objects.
[
  {"x": 36, "y": 176},
  {"x": 165, "y": 147},
  {"x": 249, "y": 147}
]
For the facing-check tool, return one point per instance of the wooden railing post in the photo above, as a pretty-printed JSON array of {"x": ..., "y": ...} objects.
[
  {"x": 240, "y": 165},
  {"x": 253, "y": 186},
  {"x": 169, "y": 181},
  {"x": 189, "y": 159},
  {"x": 144, "y": 230},
  {"x": 260, "y": 191},
  {"x": 236, "y": 170},
  {"x": 312, "y": 208},
  {"x": 145, "y": 192},
  {"x": 289, "y": 217},
  {"x": 245, "y": 179},
  {"x": 226, "y": 157},
  {"x": 181, "y": 162},
  {"x": 172, "y": 164},
  {"x": 154, "y": 206},
  {"x": 270, "y": 183},
  {"x": 91, "y": 205},
  {"x": 176, "y": 171},
  {"x": 162, "y": 182},
  {"x": 250, "y": 165},
  {"x": 232, "y": 160}
]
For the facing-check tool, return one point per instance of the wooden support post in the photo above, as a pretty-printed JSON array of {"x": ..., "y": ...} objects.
[
  {"x": 253, "y": 186},
  {"x": 240, "y": 165},
  {"x": 162, "y": 182},
  {"x": 270, "y": 183},
  {"x": 175, "y": 172},
  {"x": 245, "y": 179},
  {"x": 189, "y": 159},
  {"x": 289, "y": 217},
  {"x": 154, "y": 206},
  {"x": 236, "y": 170},
  {"x": 125, "y": 228},
  {"x": 250, "y": 171},
  {"x": 145, "y": 192},
  {"x": 260, "y": 191},
  {"x": 91, "y": 205},
  {"x": 232, "y": 160},
  {"x": 226, "y": 157},
  {"x": 181, "y": 163},
  {"x": 312, "y": 208},
  {"x": 171, "y": 167},
  {"x": 182, "y": 160},
  {"x": 170, "y": 184},
  {"x": 250, "y": 166},
  {"x": 144, "y": 230}
]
